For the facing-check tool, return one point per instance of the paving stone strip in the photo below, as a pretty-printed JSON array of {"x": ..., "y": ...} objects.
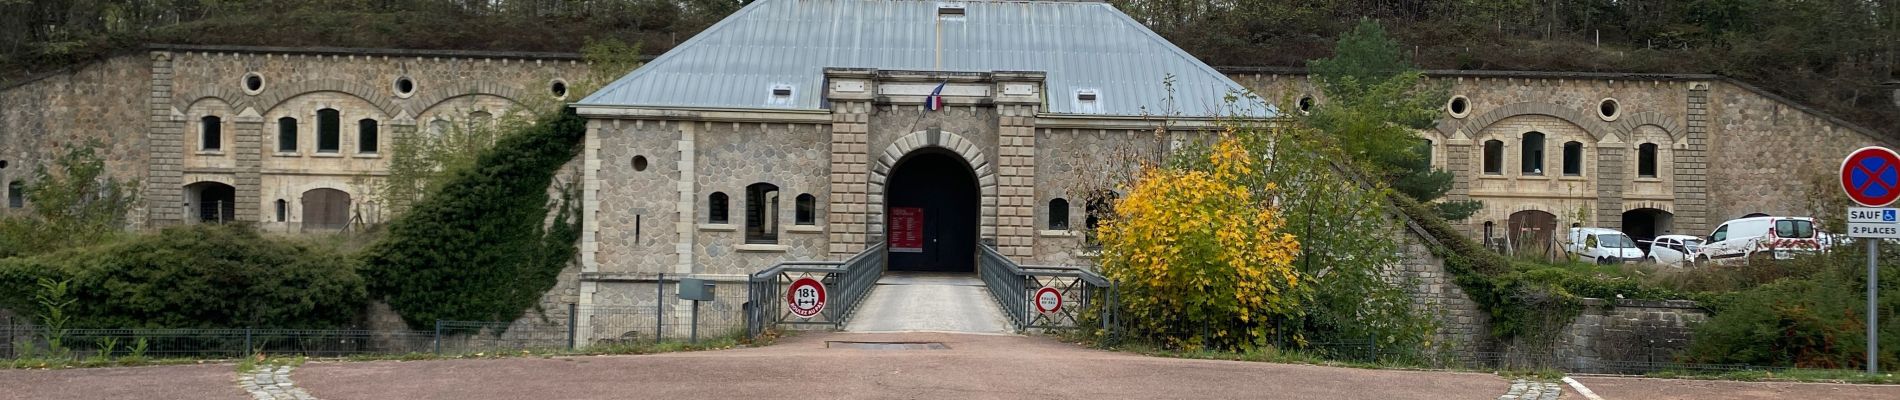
[
  {"x": 1528, "y": 390},
  {"x": 272, "y": 383}
]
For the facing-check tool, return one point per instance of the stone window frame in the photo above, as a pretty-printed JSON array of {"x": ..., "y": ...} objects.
[
  {"x": 1526, "y": 165},
  {"x": 283, "y": 210},
  {"x": 1058, "y": 214},
  {"x": 16, "y": 194},
  {"x": 762, "y": 213},
  {"x": 244, "y": 83},
  {"x": 1615, "y": 109},
  {"x": 719, "y": 209},
  {"x": 1654, "y": 153},
  {"x": 293, "y": 125},
  {"x": 1491, "y": 161},
  {"x": 206, "y": 125},
  {"x": 559, "y": 88},
  {"x": 1451, "y": 106},
  {"x": 369, "y": 133},
  {"x": 395, "y": 86},
  {"x": 335, "y": 132},
  {"x": 805, "y": 210},
  {"x": 1573, "y": 160}
]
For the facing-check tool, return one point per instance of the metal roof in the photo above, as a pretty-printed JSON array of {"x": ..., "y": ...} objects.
[{"x": 738, "y": 62}]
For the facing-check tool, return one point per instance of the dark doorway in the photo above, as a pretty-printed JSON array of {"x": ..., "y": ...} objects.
[
  {"x": 211, "y": 202},
  {"x": 931, "y": 211},
  {"x": 1645, "y": 224}
]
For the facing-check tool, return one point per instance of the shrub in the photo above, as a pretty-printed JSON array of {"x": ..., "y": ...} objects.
[
  {"x": 1814, "y": 320},
  {"x": 197, "y": 276},
  {"x": 480, "y": 248},
  {"x": 1202, "y": 262}
]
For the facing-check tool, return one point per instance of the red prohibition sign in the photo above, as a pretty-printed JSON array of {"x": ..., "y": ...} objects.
[
  {"x": 1048, "y": 300},
  {"x": 806, "y": 297},
  {"x": 1871, "y": 176}
]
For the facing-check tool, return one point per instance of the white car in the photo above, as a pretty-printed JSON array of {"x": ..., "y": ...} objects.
[
  {"x": 1673, "y": 250},
  {"x": 1606, "y": 246},
  {"x": 1759, "y": 238}
]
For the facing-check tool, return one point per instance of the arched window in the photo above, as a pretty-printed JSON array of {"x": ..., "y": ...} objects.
[
  {"x": 16, "y": 195},
  {"x": 1424, "y": 151},
  {"x": 807, "y": 213},
  {"x": 438, "y": 127},
  {"x": 329, "y": 134},
  {"x": 1646, "y": 160},
  {"x": 1101, "y": 205},
  {"x": 287, "y": 135},
  {"x": 1493, "y": 157},
  {"x": 1532, "y": 155},
  {"x": 1573, "y": 159},
  {"x": 1058, "y": 214},
  {"x": 761, "y": 213},
  {"x": 210, "y": 133},
  {"x": 366, "y": 135},
  {"x": 325, "y": 208},
  {"x": 716, "y": 208},
  {"x": 283, "y": 210}
]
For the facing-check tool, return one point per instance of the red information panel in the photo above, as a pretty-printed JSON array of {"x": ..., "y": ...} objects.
[{"x": 907, "y": 230}]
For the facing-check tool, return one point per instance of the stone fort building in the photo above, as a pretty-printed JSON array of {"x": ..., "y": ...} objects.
[{"x": 813, "y": 129}]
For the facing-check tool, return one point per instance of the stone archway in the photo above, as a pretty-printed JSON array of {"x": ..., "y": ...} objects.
[
  {"x": 932, "y": 201},
  {"x": 954, "y": 144},
  {"x": 1645, "y": 224},
  {"x": 210, "y": 202}
]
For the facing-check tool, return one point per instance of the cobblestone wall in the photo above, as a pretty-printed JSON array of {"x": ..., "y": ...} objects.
[{"x": 40, "y": 119}]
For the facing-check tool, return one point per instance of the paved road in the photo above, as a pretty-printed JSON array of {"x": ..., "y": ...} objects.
[
  {"x": 1612, "y": 388},
  {"x": 922, "y": 302},
  {"x": 973, "y": 367},
  {"x": 210, "y": 381}
]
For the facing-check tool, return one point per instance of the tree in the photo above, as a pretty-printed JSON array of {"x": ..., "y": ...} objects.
[
  {"x": 76, "y": 203},
  {"x": 1376, "y": 104}
]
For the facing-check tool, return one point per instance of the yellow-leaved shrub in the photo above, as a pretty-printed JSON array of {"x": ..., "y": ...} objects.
[{"x": 1200, "y": 259}]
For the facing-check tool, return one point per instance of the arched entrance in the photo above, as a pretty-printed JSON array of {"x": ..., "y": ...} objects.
[
  {"x": 1531, "y": 231},
  {"x": 1645, "y": 224},
  {"x": 326, "y": 209},
  {"x": 211, "y": 202},
  {"x": 931, "y": 210}
]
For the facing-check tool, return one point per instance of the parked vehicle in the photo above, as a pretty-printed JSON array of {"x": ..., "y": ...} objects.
[
  {"x": 1606, "y": 246},
  {"x": 1673, "y": 250},
  {"x": 1758, "y": 239}
]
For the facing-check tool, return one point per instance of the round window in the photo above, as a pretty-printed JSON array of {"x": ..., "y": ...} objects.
[
  {"x": 639, "y": 163},
  {"x": 1608, "y": 109},
  {"x": 1459, "y": 106},
  {"x": 253, "y": 83},
  {"x": 1306, "y": 103},
  {"x": 3, "y": 164},
  {"x": 558, "y": 88},
  {"x": 405, "y": 86}
]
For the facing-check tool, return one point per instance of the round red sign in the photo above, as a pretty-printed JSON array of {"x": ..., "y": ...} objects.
[
  {"x": 1048, "y": 300},
  {"x": 806, "y": 297},
  {"x": 1871, "y": 176}
]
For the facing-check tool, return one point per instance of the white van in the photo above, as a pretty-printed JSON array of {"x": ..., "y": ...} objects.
[
  {"x": 1760, "y": 238},
  {"x": 1606, "y": 246}
]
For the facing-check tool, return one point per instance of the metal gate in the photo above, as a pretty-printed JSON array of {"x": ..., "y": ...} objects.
[
  {"x": 846, "y": 281},
  {"x": 1015, "y": 286}
]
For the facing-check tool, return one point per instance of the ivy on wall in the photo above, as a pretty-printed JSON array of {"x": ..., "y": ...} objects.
[{"x": 483, "y": 247}]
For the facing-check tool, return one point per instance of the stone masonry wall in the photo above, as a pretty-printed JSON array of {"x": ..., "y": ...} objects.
[
  {"x": 1765, "y": 154},
  {"x": 105, "y": 100},
  {"x": 1612, "y": 336}
]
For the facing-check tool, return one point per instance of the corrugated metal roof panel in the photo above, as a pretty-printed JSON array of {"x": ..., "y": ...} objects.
[{"x": 736, "y": 62}]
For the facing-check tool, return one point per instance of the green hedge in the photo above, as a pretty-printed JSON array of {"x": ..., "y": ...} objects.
[
  {"x": 480, "y": 249},
  {"x": 198, "y": 276},
  {"x": 1814, "y": 318}
]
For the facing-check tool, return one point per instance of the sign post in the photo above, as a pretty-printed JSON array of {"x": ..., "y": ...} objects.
[{"x": 1871, "y": 176}]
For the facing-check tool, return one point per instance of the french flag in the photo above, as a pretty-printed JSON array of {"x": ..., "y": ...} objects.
[{"x": 934, "y": 101}]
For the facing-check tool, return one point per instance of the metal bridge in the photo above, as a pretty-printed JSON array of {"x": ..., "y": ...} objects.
[{"x": 1000, "y": 298}]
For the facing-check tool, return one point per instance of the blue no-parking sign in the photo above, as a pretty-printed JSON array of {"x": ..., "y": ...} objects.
[{"x": 1871, "y": 176}]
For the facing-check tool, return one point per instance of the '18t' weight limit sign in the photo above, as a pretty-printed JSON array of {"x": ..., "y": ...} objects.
[{"x": 806, "y": 297}]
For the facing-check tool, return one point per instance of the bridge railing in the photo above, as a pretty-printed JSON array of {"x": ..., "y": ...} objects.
[
  {"x": 1014, "y": 287},
  {"x": 847, "y": 282}
]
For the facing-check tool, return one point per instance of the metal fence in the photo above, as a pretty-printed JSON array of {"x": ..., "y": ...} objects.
[
  {"x": 668, "y": 319},
  {"x": 1015, "y": 288},
  {"x": 847, "y": 283}
]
